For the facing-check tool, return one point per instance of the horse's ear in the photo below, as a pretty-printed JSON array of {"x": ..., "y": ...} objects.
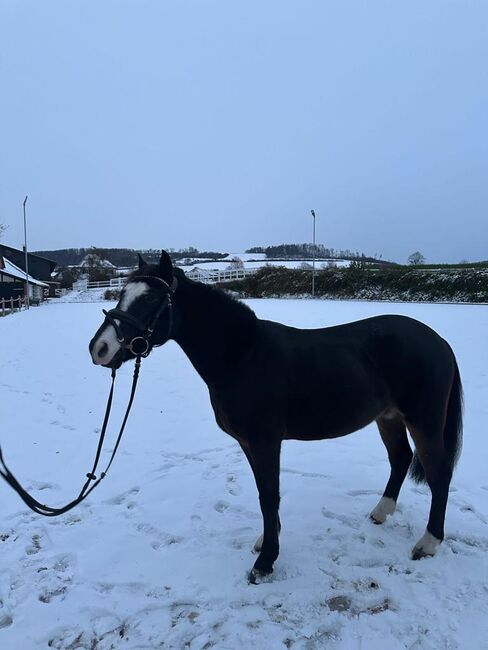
[
  {"x": 142, "y": 262},
  {"x": 166, "y": 266}
]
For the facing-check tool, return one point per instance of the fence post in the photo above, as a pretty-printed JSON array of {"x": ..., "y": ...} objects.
[{"x": 3, "y": 306}]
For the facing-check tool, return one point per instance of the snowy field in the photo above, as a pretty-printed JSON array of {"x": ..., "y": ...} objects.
[
  {"x": 289, "y": 264},
  {"x": 158, "y": 555}
]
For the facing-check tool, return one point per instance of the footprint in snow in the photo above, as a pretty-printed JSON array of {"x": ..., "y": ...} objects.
[
  {"x": 55, "y": 580},
  {"x": 351, "y": 522},
  {"x": 160, "y": 539},
  {"x": 358, "y": 493},
  {"x": 5, "y": 620},
  {"x": 35, "y": 546},
  {"x": 232, "y": 486},
  {"x": 122, "y": 498},
  {"x": 223, "y": 506},
  {"x": 479, "y": 543}
]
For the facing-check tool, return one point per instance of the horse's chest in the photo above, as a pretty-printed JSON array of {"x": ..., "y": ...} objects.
[{"x": 224, "y": 415}]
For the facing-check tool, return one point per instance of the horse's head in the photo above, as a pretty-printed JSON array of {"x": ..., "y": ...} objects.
[{"x": 142, "y": 317}]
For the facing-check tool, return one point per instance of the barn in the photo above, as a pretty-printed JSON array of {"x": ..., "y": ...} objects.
[
  {"x": 12, "y": 282},
  {"x": 12, "y": 274}
]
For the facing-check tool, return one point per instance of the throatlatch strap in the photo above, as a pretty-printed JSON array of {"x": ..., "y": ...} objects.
[{"x": 48, "y": 511}]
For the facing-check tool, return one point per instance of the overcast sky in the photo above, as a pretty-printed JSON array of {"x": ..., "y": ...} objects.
[{"x": 219, "y": 124}]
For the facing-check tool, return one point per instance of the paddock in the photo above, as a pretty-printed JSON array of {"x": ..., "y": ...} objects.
[{"x": 139, "y": 564}]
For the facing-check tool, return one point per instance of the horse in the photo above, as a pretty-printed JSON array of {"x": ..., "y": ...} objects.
[{"x": 269, "y": 382}]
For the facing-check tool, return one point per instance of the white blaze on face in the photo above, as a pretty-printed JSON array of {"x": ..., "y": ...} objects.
[{"x": 107, "y": 345}]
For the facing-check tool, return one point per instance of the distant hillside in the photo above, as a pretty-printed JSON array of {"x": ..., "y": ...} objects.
[{"x": 121, "y": 257}]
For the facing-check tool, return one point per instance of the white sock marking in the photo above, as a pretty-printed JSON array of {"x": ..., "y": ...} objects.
[
  {"x": 386, "y": 506},
  {"x": 428, "y": 544}
]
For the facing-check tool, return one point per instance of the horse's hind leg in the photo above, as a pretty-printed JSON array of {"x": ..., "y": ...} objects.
[
  {"x": 432, "y": 456},
  {"x": 394, "y": 434}
]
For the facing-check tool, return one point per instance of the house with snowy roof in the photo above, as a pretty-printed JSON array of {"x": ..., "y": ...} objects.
[{"x": 13, "y": 278}]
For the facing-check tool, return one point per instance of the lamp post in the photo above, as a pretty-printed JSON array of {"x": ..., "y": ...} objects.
[
  {"x": 313, "y": 258},
  {"x": 27, "y": 299}
]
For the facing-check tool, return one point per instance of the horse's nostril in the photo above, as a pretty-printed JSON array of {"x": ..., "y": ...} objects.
[{"x": 103, "y": 350}]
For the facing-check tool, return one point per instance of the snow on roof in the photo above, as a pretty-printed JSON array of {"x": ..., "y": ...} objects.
[{"x": 10, "y": 269}]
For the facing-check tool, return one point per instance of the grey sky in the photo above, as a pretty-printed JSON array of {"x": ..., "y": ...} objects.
[{"x": 219, "y": 124}]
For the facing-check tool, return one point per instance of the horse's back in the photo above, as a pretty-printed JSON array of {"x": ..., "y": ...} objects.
[{"x": 335, "y": 380}]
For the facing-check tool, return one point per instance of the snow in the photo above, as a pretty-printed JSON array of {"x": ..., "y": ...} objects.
[
  {"x": 84, "y": 295},
  {"x": 289, "y": 264},
  {"x": 157, "y": 557},
  {"x": 245, "y": 257}
]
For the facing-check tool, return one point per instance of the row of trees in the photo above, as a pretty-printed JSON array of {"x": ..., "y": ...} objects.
[
  {"x": 121, "y": 257},
  {"x": 306, "y": 250}
]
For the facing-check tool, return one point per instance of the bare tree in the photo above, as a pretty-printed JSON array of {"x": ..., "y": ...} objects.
[
  {"x": 416, "y": 258},
  {"x": 236, "y": 263}
]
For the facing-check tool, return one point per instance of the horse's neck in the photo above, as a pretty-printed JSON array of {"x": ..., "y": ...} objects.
[{"x": 214, "y": 331}]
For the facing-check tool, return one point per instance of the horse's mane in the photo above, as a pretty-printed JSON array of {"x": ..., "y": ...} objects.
[
  {"x": 205, "y": 295},
  {"x": 216, "y": 298}
]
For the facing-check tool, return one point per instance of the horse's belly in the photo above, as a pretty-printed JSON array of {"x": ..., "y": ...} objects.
[
  {"x": 324, "y": 431},
  {"x": 319, "y": 419}
]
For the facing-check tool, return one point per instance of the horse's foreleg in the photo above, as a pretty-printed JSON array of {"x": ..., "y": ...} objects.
[
  {"x": 264, "y": 458},
  {"x": 258, "y": 544}
]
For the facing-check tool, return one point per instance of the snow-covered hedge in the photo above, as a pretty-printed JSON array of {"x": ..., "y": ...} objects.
[{"x": 359, "y": 282}]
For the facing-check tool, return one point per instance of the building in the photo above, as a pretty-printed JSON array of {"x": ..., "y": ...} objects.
[
  {"x": 12, "y": 282},
  {"x": 13, "y": 273}
]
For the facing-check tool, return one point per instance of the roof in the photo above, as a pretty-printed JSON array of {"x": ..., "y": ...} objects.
[
  {"x": 53, "y": 263},
  {"x": 7, "y": 267}
]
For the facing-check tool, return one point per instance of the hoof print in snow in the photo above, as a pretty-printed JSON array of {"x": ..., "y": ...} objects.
[
  {"x": 48, "y": 595},
  {"x": 380, "y": 607},
  {"x": 339, "y": 604},
  {"x": 35, "y": 547},
  {"x": 6, "y": 621}
]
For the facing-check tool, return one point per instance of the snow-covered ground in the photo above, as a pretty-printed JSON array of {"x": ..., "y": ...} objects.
[
  {"x": 249, "y": 264},
  {"x": 157, "y": 557}
]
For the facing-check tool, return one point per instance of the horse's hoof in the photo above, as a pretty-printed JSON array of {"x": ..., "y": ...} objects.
[
  {"x": 425, "y": 547},
  {"x": 256, "y": 577},
  {"x": 386, "y": 507},
  {"x": 258, "y": 545},
  {"x": 373, "y": 519}
]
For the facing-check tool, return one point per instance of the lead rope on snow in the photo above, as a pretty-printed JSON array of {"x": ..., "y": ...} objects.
[{"x": 88, "y": 487}]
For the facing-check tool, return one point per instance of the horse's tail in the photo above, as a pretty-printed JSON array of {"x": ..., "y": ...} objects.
[{"x": 453, "y": 430}]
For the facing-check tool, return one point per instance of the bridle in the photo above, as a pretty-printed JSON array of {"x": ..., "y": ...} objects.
[{"x": 142, "y": 344}]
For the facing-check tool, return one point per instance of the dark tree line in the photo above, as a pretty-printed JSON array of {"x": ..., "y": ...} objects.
[
  {"x": 294, "y": 251},
  {"x": 121, "y": 257}
]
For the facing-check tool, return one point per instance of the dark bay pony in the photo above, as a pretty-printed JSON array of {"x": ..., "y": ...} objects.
[{"x": 269, "y": 383}]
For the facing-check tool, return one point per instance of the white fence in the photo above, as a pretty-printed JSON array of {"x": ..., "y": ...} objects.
[
  {"x": 210, "y": 276},
  {"x": 213, "y": 276},
  {"x": 114, "y": 283}
]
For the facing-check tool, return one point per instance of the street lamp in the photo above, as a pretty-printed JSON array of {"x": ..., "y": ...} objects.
[
  {"x": 313, "y": 259},
  {"x": 27, "y": 300}
]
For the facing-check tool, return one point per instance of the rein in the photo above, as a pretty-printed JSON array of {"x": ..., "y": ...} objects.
[
  {"x": 140, "y": 346},
  {"x": 92, "y": 480}
]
